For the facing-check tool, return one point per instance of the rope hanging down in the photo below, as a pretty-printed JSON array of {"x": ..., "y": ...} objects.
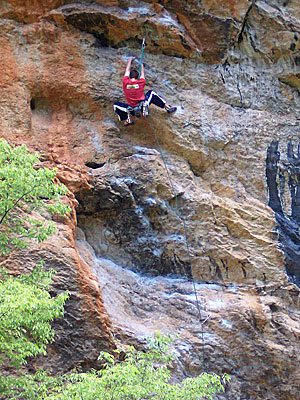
[
  {"x": 181, "y": 216},
  {"x": 201, "y": 321},
  {"x": 141, "y": 62}
]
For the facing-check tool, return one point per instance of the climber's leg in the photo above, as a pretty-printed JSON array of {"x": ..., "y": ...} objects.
[
  {"x": 152, "y": 97},
  {"x": 122, "y": 110}
]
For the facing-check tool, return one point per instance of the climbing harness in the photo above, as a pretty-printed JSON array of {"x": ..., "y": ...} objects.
[
  {"x": 139, "y": 110},
  {"x": 202, "y": 321}
]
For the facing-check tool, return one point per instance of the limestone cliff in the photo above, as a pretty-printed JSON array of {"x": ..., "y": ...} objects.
[{"x": 232, "y": 69}]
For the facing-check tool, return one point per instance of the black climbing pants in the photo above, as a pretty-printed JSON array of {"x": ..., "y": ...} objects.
[{"x": 151, "y": 97}]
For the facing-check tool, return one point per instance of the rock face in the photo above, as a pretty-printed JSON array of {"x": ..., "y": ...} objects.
[{"x": 225, "y": 175}]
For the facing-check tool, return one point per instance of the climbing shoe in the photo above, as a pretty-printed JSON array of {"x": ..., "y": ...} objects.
[
  {"x": 128, "y": 121},
  {"x": 171, "y": 109}
]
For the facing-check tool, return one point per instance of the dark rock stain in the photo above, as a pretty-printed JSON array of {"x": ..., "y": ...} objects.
[
  {"x": 219, "y": 273},
  {"x": 225, "y": 266},
  {"x": 244, "y": 25},
  {"x": 135, "y": 226},
  {"x": 273, "y": 157},
  {"x": 288, "y": 226},
  {"x": 297, "y": 60}
]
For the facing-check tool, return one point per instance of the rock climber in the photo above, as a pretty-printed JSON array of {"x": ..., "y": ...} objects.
[{"x": 138, "y": 102}]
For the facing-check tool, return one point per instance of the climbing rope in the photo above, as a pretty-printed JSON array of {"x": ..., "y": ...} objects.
[
  {"x": 141, "y": 62},
  {"x": 181, "y": 216}
]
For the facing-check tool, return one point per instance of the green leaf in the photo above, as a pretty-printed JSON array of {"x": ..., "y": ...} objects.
[
  {"x": 26, "y": 310},
  {"x": 25, "y": 187},
  {"x": 141, "y": 376}
]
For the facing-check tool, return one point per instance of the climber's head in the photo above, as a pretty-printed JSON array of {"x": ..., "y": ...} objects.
[{"x": 133, "y": 74}]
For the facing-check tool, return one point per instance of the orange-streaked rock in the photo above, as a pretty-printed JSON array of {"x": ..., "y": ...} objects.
[{"x": 232, "y": 71}]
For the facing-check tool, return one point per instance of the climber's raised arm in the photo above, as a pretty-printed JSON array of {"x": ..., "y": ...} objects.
[
  {"x": 127, "y": 70},
  {"x": 142, "y": 72}
]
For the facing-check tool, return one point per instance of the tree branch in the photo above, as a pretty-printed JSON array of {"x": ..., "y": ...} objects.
[{"x": 16, "y": 203}]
